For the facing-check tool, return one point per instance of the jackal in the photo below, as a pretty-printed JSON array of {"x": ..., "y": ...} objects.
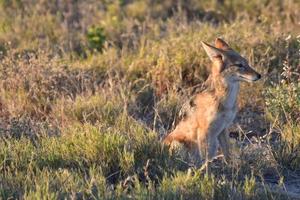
[{"x": 205, "y": 126}]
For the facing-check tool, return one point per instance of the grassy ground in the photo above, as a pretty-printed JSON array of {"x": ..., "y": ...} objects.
[{"x": 89, "y": 88}]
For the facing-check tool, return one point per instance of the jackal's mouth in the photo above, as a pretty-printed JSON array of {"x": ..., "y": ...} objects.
[{"x": 248, "y": 79}]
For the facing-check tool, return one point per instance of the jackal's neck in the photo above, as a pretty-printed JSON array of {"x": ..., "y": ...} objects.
[{"x": 226, "y": 93}]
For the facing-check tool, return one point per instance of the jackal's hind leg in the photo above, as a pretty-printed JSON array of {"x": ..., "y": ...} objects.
[{"x": 175, "y": 135}]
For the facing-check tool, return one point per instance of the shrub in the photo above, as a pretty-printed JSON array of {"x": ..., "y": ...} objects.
[{"x": 96, "y": 38}]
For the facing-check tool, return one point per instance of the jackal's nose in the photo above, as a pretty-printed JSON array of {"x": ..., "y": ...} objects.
[{"x": 258, "y": 76}]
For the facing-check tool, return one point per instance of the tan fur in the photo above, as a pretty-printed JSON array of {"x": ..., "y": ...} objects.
[{"x": 205, "y": 127}]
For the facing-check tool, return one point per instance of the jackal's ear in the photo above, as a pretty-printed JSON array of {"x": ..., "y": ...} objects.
[
  {"x": 221, "y": 44},
  {"x": 212, "y": 51}
]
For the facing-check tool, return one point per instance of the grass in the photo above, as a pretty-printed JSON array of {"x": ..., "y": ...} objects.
[{"x": 88, "y": 90}]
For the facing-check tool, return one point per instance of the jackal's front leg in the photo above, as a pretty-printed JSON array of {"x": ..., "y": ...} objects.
[
  {"x": 224, "y": 144},
  {"x": 208, "y": 147},
  {"x": 212, "y": 143}
]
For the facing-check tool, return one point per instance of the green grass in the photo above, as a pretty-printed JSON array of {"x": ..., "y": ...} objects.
[{"x": 88, "y": 90}]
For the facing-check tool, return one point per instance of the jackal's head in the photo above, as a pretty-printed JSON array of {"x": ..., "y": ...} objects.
[{"x": 229, "y": 63}]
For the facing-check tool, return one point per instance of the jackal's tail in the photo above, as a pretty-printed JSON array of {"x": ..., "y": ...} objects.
[{"x": 168, "y": 139}]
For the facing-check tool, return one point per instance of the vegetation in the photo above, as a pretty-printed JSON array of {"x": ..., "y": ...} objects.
[{"x": 88, "y": 89}]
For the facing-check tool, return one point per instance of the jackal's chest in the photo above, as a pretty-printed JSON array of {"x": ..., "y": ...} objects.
[
  {"x": 222, "y": 118},
  {"x": 219, "y": 118}
]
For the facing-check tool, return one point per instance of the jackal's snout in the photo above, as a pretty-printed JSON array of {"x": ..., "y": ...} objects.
[
  {"x": 258, "y": 76},
  {"x": 249, "y": 74}
]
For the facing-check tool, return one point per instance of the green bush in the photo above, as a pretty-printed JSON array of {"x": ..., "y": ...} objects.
[
  {"x": 96, "y": 38},
  {"x": 283, "y": 102}
]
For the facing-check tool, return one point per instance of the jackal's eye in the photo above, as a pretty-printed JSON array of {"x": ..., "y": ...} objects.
[{"x": 239, "y": 65}]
